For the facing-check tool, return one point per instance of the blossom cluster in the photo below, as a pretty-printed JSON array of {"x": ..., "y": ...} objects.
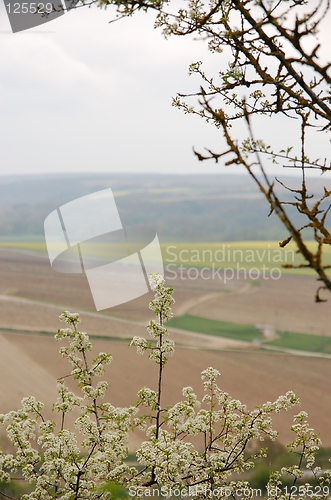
[{"x": 162, "y": 347}]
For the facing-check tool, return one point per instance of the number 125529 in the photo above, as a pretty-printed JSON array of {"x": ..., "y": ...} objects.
[{"x": 29, "y": 8}]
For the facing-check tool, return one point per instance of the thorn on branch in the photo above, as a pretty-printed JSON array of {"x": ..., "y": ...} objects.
[
  {"x": 200, "y": 156},
  {"x": 317, "y": 296},
  {"x": 283, "y": 243}
]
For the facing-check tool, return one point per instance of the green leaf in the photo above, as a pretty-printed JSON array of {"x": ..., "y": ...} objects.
[{"x": 116, "y": 490}]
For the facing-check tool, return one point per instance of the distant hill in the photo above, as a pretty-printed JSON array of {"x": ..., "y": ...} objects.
[{"x": 180, "y": 207}]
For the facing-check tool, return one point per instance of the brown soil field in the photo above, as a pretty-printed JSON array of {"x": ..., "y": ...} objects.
[
  {"x": 286, "y": 304},
  {"x": 31, "y": 365},
  {"x": 29, "y": 276},
  {"x": 21, "y": 315},
  {"x": 32, "y": 296}
]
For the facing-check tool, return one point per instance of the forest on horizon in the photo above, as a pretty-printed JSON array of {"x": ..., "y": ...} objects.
[{"x": 223, "y": 207}]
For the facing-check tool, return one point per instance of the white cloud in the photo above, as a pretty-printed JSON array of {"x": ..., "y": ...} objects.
[
  {"x": 96, "y": 96},
  {"x": 32, "y": 64}
]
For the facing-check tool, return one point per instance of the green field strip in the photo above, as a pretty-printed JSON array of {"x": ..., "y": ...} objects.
[
  {"x": 247, "y": 333},
  {"x": 237, "y": 255},
  {"x": 38, "y": 246},
  {"x": 92, "y": 337},
  {"x": 27, "y": 332},
  {"x": 302, "y": 342}
]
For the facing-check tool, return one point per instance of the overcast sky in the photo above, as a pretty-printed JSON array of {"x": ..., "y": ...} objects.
[{"x": 81, "y": 95}]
